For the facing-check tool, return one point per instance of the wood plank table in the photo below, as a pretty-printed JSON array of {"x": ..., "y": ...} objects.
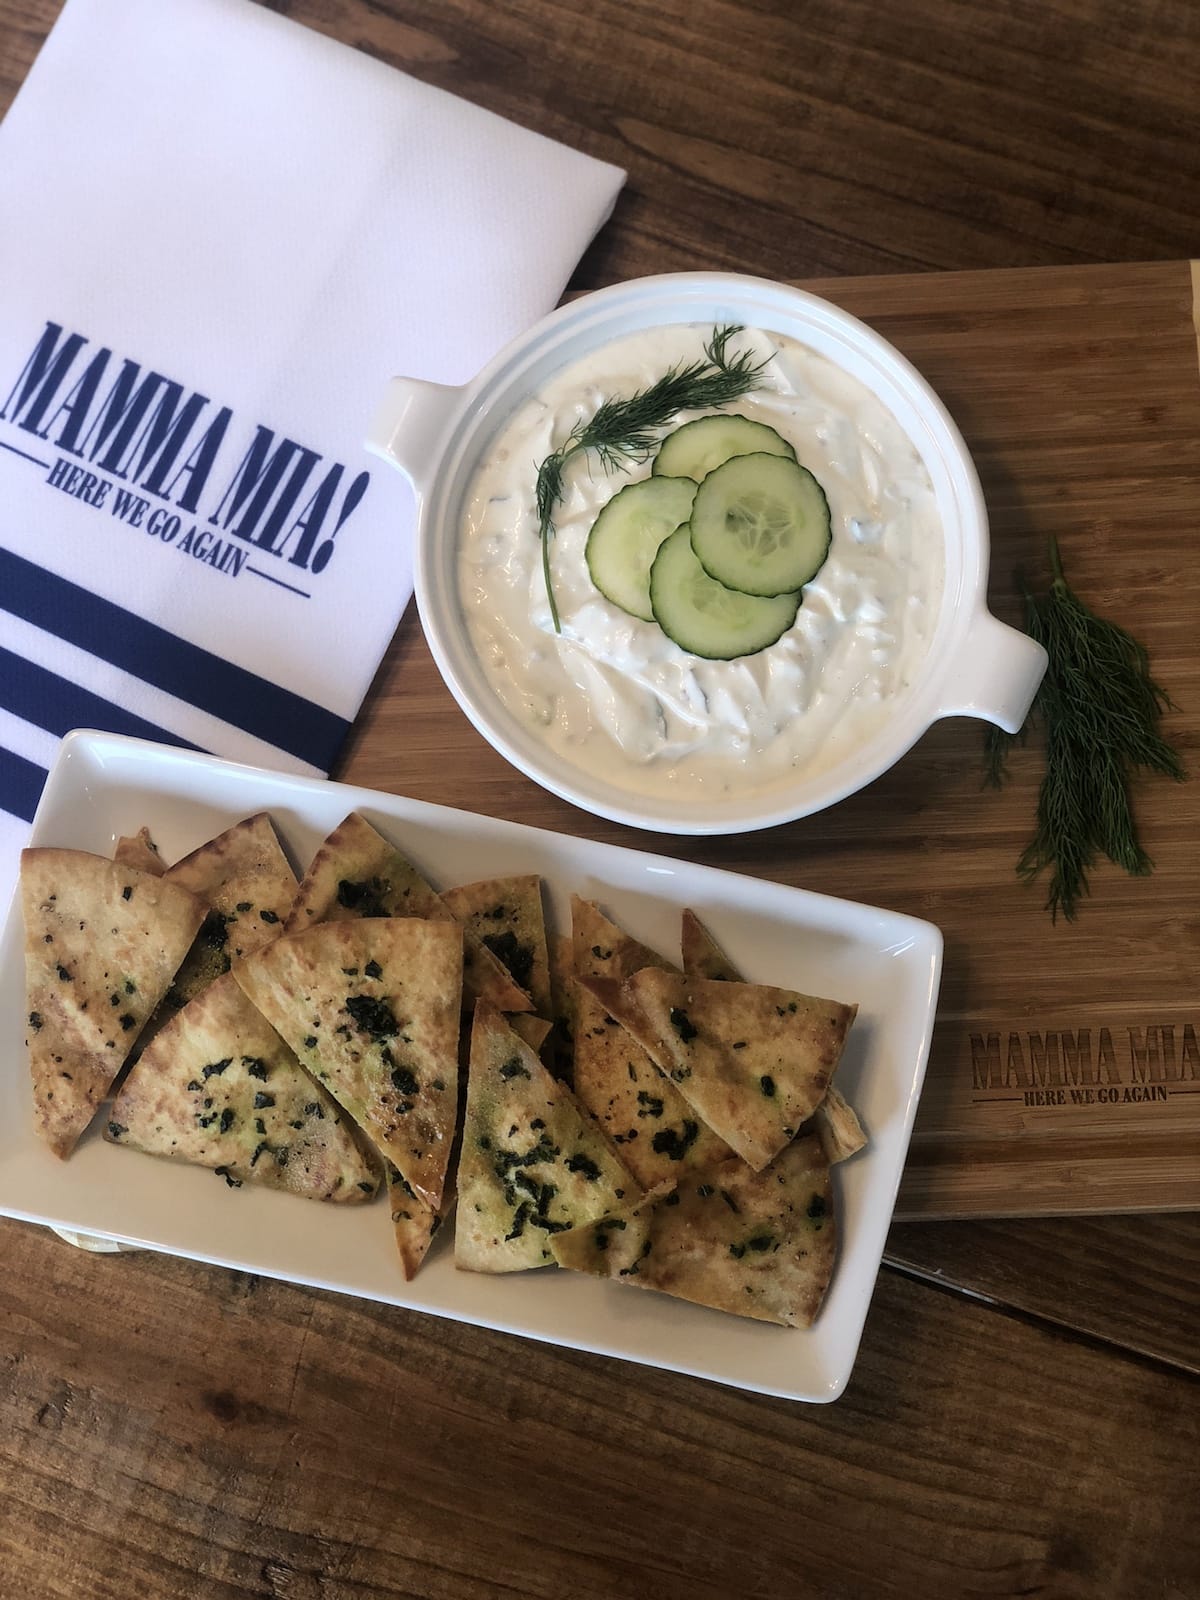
[{"x": 1024, "y": 1418}]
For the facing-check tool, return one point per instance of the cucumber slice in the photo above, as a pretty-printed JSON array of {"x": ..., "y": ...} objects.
[
  {"x": 625, "y": 537},
  {"x": 705, "y": 618},
  {"x": 697, "y": 448},
  {"x": 761, "y": 524}
]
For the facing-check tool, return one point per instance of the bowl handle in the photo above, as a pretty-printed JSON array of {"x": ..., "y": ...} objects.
[
  {"x": 994, "y": 675},
  {"x": 407, "y": 428}
]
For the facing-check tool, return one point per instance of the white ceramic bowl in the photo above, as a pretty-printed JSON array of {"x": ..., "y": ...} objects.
[{"x": 975, "y": 666}]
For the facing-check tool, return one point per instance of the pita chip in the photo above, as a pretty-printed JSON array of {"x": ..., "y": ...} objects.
[
  {"x": 642, "y": 1114},
  {"x": 371, "y": 1007},
  {"x": 702, "y": 955},
  {"x": 532, "y": 1163},
  {"x": 102, "y": 942},
  {"x": 248, "y": 884},
  {"x": 753, "y": 1061},
  {"x": 561, "y": 1053},
  {"x": 600, "y": 949},
  {"x": 506, "y": 916},
  {"x": 413, "y": 1222},
  {"x": 219, "y": 1088},
  {"x": 838, "y": 1127},
  {"x": 758, "y": 1245},
  {"x": 140, "y": 851},
  {"x": 837, "y": 1124},
  {"x": 533, "y": 1030},
  {"x": 358, "y": 873}
]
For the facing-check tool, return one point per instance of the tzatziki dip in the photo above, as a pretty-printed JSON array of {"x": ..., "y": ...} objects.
[{"x": 611, "y": 693}]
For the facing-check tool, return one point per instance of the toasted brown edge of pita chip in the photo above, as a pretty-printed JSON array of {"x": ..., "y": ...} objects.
[
  {"x": 700, "y": 953},
  {"x": 140, "y": 851}
]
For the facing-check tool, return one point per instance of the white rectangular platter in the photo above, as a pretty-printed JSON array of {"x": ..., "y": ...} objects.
[{"x": 103, "y": 786}]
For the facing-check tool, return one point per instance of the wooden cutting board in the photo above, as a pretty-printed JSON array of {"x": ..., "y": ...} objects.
[{"x": 1065, "y": 1072}]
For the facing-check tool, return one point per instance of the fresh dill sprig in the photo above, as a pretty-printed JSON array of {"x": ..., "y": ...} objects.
[
  {"x": 624, "y": 432},
  {"x": 996, "y": 745},
  {"x": 1101, "y": 711}
]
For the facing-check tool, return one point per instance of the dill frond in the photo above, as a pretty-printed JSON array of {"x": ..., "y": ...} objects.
[{"x": 1101, "y": 710}]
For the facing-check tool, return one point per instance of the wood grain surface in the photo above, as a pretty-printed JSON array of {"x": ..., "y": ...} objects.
[
  {"x": 1024, "y": 1416},
  {"x": 298, "y": 1445}
]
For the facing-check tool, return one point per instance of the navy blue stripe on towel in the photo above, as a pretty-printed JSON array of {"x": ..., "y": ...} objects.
[
  {"x": 58, "y": 705},
  {"x": 21, "y": 784},
  {"x": 148, "y": 652}
]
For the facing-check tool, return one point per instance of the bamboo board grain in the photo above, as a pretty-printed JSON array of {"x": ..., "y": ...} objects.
[{"x": 1065, "y": 1073}]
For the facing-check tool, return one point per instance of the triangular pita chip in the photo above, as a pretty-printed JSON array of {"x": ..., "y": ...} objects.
[
  {"x": 245, "y": 879},
  {"x": 102, "y": 942},
  {"x": 358, "y": 873},
  {"x": 140, "y": 851},
  {"x": 600, "y": 949},
  {"x": 752, "y": 1060},
  {"x": 702, "y": 955},
  {"x": 506, "y": 916},
  {"x": 218, "y": 1087},
  {"x": 532, "y": 1164},
  {"x": 371, "y": 1007},
  {"x": 533, "y": 1030},
  {"x": 837, "y": 1124},
  {"x": 641, "y": 1113},
  {"x": 413, "y": 1222},
  {"x": 759, "y": 1245}
]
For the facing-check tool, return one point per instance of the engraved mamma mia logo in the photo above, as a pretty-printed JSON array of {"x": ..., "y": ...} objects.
[
  {"x": 1085, "y": 1067},
  {"x": 126, "y": 437}
]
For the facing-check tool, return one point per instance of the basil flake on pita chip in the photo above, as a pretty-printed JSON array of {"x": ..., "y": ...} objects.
[
  {"x": 102, "y": 943},
  {"x": 758, "y": 1245},
  {"x": 753, "y": 1061},
  {"x": 836, "y": 1122},
  {"x": 139, "y": 850},
  {"x": 249, "y": 886},
  {"x": 358, "y": 873},
  {"x": 506, "y": 916},
  {"x": 371, "y": 1007},
  {"x": 532, "y": 1163},
  {"x": 219, "y": 1088},
  {"x": 642, "y": 1114}
]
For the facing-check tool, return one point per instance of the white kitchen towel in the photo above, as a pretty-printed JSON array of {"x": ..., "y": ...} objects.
[{"x": 220, "y": 235}]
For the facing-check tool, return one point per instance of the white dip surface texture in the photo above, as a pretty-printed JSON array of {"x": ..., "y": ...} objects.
[{"x": 613, "y": 694}]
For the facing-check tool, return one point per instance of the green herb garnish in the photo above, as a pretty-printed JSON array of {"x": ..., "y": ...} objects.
[
  {"x": 623, "y": 432},
  {"x": 1101, "y": 711}
]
